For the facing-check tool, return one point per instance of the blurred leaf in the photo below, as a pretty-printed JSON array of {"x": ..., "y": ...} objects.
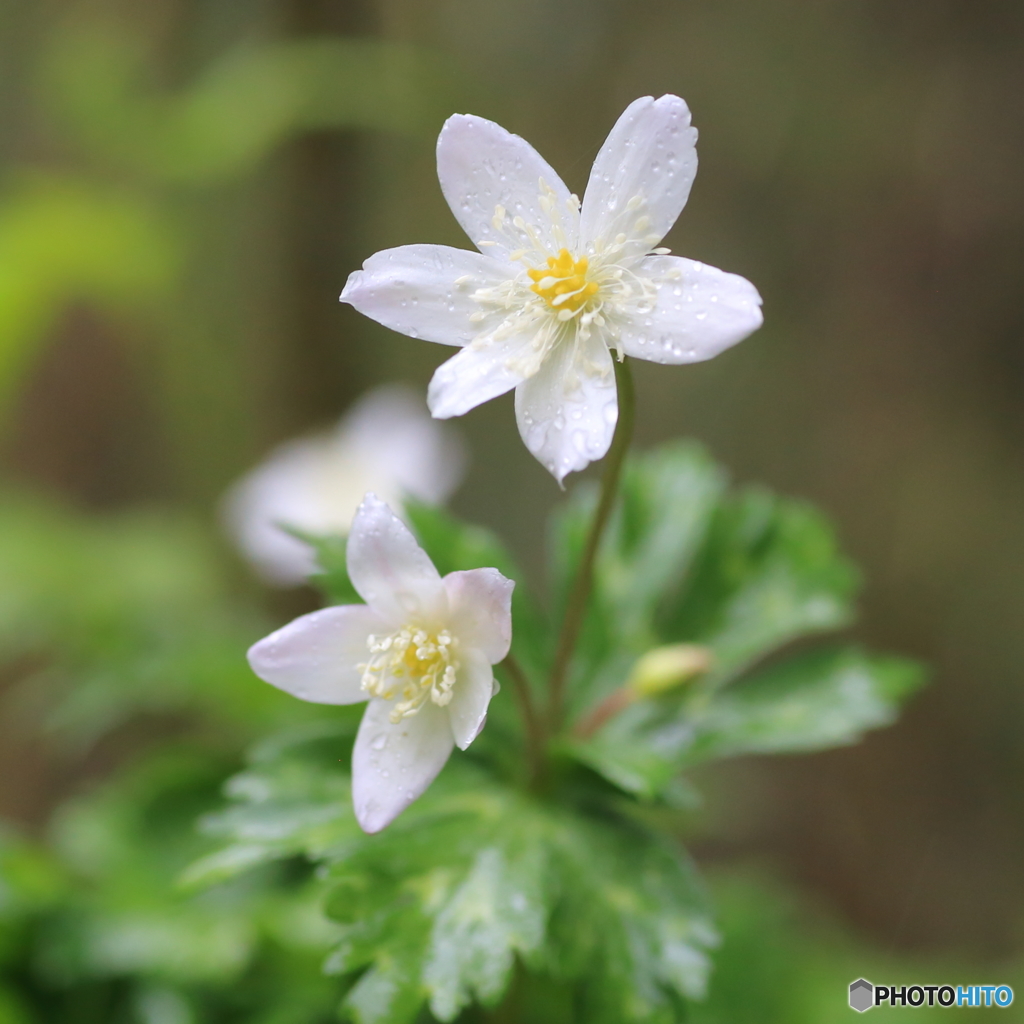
[
  {"x": 742, "y": 574},
  {"x": 438, "y": 906},
  {"x": 294, "y": 800},
  {"x": 683, "y": 560},
  {"x": 329, "y": 550},
  {"x": 96, "y": 81},
  {"x": 812, "y": 701},
  {"x": 768, "y": 573},
  {"x": 123, "y": 941},
  {"x": 108, "y": 617},
  {"x": 667, "y": 497},
  {"x": 30, "y": 877},
  {"x": 63, "y": 241},
  {"x": 475, "y": 874},
  {"x": 817, "y": 700}
]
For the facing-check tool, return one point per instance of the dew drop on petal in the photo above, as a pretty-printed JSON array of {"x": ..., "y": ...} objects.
[{"x": 380, "y": 741}]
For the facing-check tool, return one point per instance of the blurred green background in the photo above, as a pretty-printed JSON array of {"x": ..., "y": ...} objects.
[{"x": 184, "y": 187}]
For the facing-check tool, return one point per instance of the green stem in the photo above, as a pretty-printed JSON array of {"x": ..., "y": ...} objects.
[
  {"x": 577, "y": 604},
  {"x": 532, "y": 722}
]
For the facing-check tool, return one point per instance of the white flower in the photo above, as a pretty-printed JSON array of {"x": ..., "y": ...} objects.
[
  {"x": 386, "y": 443},
  {"x": 558, "y": 287},
  {"x": 420, "y": 650}
]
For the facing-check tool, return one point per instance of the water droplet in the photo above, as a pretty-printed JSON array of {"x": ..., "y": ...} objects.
[{"x": 380, "y": 741}]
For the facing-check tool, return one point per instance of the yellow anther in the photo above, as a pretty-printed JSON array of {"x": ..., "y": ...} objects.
[
  {"x": 410, "y": 667},
  {"x": 563, "y": 284}
]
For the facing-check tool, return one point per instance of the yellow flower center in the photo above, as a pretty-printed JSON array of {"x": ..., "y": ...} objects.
[
  {"x": 564, "y": 285},
  {"x": 410, "y": 666}
]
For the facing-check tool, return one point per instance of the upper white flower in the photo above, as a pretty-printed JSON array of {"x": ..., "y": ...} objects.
[
  {"x": 420, "y": 650},
  {"x": 386, "y": 443},
  {"x": 557, "y": 287}
]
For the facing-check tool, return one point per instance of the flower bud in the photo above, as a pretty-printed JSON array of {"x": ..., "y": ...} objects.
[{"x": 663, "y": 668}]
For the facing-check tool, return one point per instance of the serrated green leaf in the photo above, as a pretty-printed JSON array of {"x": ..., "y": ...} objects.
[
  {"x": 390, "y": 992},
  {"x": 810, "y": 702},
  {"x": 682, "y": 560},
  {"x": 768, "y": 573},
  {"x": 632, "y": 925},
  {"x": 497, "y": 910},
  {"x": 668, "y": 496},
  {"x": 294, "y": 800}
]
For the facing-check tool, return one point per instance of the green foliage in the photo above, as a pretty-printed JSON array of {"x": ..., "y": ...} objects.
[
  {"x": 64, "y": 240},
  {"x": 560, "y": 897},
  {"x": 475, "y": 874},
  {"x": 742, "y": 573},
  {"x": 572, "y": 880},
  {"x": 105, "y": 618},
  {"x": 96, "y": 79},
  {"x": 97, "y": 931}
]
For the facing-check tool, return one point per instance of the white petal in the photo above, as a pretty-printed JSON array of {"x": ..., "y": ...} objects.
[
  {"x": 279, "y": 491},
  {"x": 393, "y": 763},
  {"x": 394, "y": 437},
  {"x": 315, "y": 657},
  {"x": 390, "y": 571},
  {"x": 386, "y": 443},
  {"x": 474, "y": 687},
  {"x": 480, "y": 610},
  {"x": 413, "y": 290},
  {"x": 481, "y": 166},
  {"x": 651, "y": 153},
  {"x": 476, "y": 375},
  {"x": 699, "y": 311},
  {"x": 568, "y": 410}
]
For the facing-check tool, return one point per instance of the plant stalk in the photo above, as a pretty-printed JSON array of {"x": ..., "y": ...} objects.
[
  {"x": 576, "y": 607},
  {"x": 534, "y": 725}
]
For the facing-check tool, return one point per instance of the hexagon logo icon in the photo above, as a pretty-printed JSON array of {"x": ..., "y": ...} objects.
[{"x": 862, "y": 995}]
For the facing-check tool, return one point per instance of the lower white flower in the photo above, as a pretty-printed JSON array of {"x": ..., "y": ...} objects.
[
  {"x": 386, "y": 443},
  {"x": 420, "y": 651},
  {"x": 558, "y": 287}
]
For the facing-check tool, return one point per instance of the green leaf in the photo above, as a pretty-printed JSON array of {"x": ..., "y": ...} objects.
[
  {"x": 768, "y": 573},
  {"x": 814, "y": 701},
  {"x": 111, "y": 616},
  {"x": 631, "y": 927},
  {"x": 497, "y": 910},
  {"x": 97, "y": 83},
  {"x": 474, "y": 876},
  {"x": 667, "y": 498},
  {"x": 293, "y": 800},
  {"x": 329, "y": 551},
  {"x": 62, "y": 240}
]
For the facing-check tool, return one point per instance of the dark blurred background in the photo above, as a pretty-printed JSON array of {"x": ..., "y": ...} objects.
[{"x": 187, "y": 183}]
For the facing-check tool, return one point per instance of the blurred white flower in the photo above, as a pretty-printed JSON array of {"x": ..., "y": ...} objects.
[
  {"x": 558, "y": 287},
  {"x": 386, "y": 443},
  {"x": 420, "y": 650}
]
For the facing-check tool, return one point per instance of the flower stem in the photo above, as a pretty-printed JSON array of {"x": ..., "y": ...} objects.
[
  {"x": 532, "y": 722},
  {"x": 577, "y": 604}
]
